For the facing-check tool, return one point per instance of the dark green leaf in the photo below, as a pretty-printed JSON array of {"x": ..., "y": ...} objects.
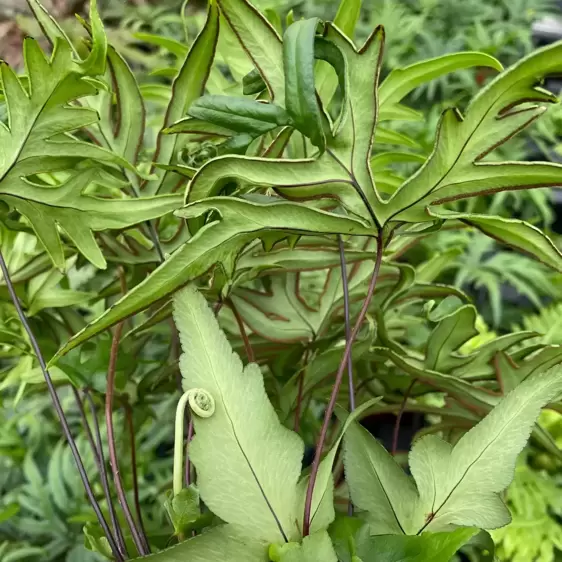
[
  {"x": 300, "y": 91},
  {"x": 437, "y": 547},
  {"x": 239, "y": 114}
]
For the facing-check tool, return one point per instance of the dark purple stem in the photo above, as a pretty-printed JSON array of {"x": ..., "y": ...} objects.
[
  {"x": 60, "y": 413},
  {"x": 336, "y": 388},
  {"x": 243, "y": 334},
  {"x": 396, "y": 432},
  {"x": 100, "y": 460},
  {"x": 300, "y": 392},
  {"x": 140, "y": 544},
  {"x": 131, "y": 428},
  {"x": 345, "y": 288},
  {"x": 86, "y": 426},
  {"x": 140, "y": 541},
  {"x": 298, "y": 408}
]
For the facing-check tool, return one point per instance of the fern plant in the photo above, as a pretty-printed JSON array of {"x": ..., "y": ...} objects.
[
  {"x": 535, "y": 533},
  {"x": 291, "y": 223}
]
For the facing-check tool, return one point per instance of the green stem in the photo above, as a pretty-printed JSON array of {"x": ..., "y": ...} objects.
[{"x": 178, "y": 444}]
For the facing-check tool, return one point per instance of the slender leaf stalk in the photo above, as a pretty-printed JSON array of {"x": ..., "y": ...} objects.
[
  {"x": 300, "y": 393},
  {"x": 100, "y": 459},
  {"x": 396, "y": 431},
  {"x": 136, "y": 495},
  {"x": 60, "y": 413},
  {"x": 86, "y": 426},
  {"x": 243, "y": 334},
  {"x": 337, "y": 384},
  {"x": 139, "y": 538},
  {"x": 345, "y": 287}
]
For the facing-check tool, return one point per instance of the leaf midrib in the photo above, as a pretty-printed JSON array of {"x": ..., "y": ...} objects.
[
  {"x": 483, "y": 451},
  {"x": 451, "y": 166},
  {"x": 254, "y": 475},
  {"x": 385, "y": 494},
  {"x": 33, "y": 123}
]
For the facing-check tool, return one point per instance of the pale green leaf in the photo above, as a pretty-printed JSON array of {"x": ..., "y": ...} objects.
[
  {"x": 378, "y": 484},
  {"x": 316, "y": 547},
  {"x": 460, "y": 485},
  {"x": 242, "y": 447}
]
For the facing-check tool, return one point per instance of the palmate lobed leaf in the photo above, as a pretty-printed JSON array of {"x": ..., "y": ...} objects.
[
  {"x": 80, "y": 214},
  {"x": 247, "y": 463},
  {"x": 484, "y": 177},
  {"x": 459, "y": 485},
  {"x": 462, "y": 487},
  {"x": 336, "y": 175},
  {"x": 343, "y": 172},
  {"x": 38, "y": 140}
]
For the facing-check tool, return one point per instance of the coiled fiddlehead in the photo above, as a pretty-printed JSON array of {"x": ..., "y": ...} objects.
[{"x": 202, "y": 404}]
